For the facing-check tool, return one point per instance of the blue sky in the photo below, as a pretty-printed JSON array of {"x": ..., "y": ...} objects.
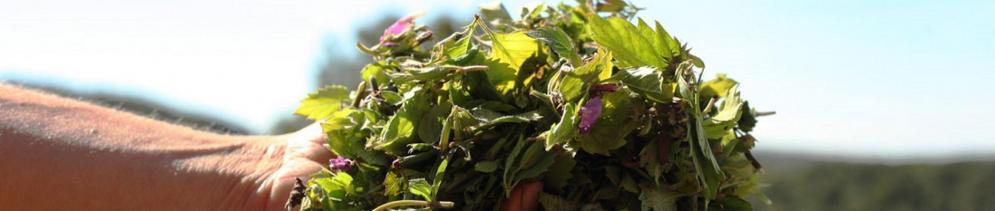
[{"x": 886, "y": 79}]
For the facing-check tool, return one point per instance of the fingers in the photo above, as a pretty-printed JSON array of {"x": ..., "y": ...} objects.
[
  {"x": 309, "y": 143},
  {"x": 308, "y": 150},
  {"x": 319, "y": 154},
  {"x": 284, "y": 179},
  {"x": 312, "y": 133}
]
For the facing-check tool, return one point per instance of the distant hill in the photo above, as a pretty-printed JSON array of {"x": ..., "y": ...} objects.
[{"x": 814, "y": 183}]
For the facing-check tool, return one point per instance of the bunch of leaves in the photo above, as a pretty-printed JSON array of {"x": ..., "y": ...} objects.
[{"x": 607, "y": 112}]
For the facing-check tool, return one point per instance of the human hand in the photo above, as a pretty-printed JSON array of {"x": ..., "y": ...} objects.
[{"x": 284, "y": 158}]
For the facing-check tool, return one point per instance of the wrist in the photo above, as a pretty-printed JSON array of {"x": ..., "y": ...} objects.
[{"x": 239, "y": 173}]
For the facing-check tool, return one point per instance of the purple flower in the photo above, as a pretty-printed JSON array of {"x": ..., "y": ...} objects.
[
  {"x": 399, "y": 27},
  {"x": 589, "y": 114},
  {"x": 339, "y": 164}
]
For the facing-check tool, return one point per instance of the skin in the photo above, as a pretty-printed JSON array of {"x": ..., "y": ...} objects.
[{"x": 62, "y": 154}]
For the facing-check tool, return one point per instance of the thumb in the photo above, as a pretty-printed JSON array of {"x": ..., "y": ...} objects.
[{"x": 285, "y": 178}]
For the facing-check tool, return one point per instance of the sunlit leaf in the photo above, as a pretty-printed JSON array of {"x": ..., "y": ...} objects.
[
  {"x": 631, "y": 47},
  {"x": 420, "y": 187},
  {"x": 575, "y": 83},
  {"x": 727, "y": 116},
  {"x": 559, "y": 41},
  {"x": 510, "y": 50},
  {"x": 717, "y": 87},
  {"x": 649, "y": 82},
  {"x": 323, "y": 103}
]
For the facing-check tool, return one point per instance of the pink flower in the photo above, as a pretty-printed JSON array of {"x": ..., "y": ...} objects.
[
  {"x": 589, "y": 114},
  {"x": 591, "y": 110},
  {"x": 339, "y": 164},
  {"x": 400, "y": 26}
]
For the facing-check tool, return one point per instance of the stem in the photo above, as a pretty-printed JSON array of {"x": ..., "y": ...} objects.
[
  {"x": 447, "y": 126},
  {"x": 360, "y": 94},
  {"x": 708, "y": 107},
  {"x": 765, "y": 113},
  {"x": 365, "y": 49},
  {"x": 753, "y": 160},
  {"x": 474, "y": 68},
  {"x": 415, "y": 203}
]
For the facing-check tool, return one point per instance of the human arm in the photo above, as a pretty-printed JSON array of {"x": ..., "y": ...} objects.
[{"x": 62, "y": 154}]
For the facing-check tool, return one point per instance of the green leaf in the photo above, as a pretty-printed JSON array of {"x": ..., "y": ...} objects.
[
  {"x": 658, "y": 198},
  {"x": 480, "y": 85},
  {"x": 392, "y": 184},
  {"x": 728, "y": 141},
  {"x": 512, "y": 50},
  {"x": 458, "y": 44},
  {"x": 535, "y": 12},
  {"x": 707, "y": 169},
  {"x": 629, "y": 184},
  {"x": 485, "y": 166},
  {"x": 422, "y": 74},
  {"x": 399, "y": 131},
  {"x": 555, "y": 203},
  {"x": 672, "y": 44},
  {"x": 431, "y": 122},
  {"x": 526, "y": 165},
  {"x": 741, "y": 173},
  {"x": 323, "y": 103},
  {"x": 490, "y": 118},
  {"x": 336, "y": 185},
  {"x": 733, "y": 203},
  {"x": 345, "y": 135},
  {"x": 565, "y": 130},
  {"x": 717, "y": 87},
  {"x": 495, "y": 14},
  {"x": 727, "y": 116},
  {"x": 615, "y": 123},
  {"x": 574, "y": 84},
  {"x": 559, "y": 42},
  {"x": 439, "y": 175},
  {"x": 391, "y": 97},
  {"x": 509, "y": 165},
  {"x": 631, "y": 47},
  {"x": 374, "y": 71},
  {"x": 560, "y": 172},
  {"x": 657, "y": 40},
  {"x": 648, "y": 82},
  {"x": 540, "y": 166},
  {"x": 420, "y": 187},
  {"x": 610, "y": 6}
]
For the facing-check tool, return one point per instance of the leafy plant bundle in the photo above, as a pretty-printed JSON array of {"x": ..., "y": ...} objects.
[{"x": 602, "y": 113}]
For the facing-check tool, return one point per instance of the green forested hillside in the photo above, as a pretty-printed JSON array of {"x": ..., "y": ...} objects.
[{"x": 814, "y": 186}]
